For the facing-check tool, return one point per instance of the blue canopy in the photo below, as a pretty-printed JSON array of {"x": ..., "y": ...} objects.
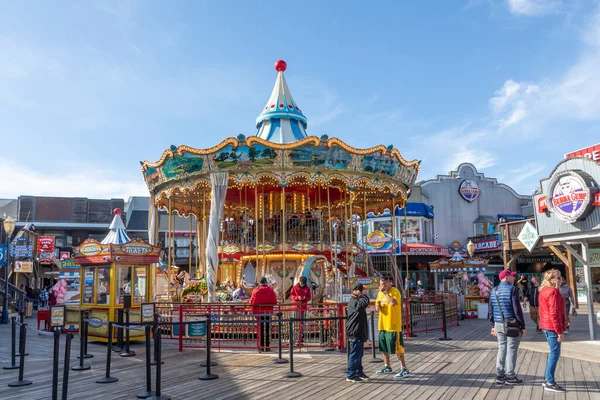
[
  {"x": 415, "y": 210},
  {"x": 511, "y": 217}
]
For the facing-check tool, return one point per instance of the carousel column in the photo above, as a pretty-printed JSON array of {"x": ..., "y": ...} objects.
[
  {"x": 169, "y": 249},
  {"x": 190, "y": 249},
  {"x": 320, "y": 219},
  {"x": 256, "y": 226},
  {"x": 331, "y": 249},
  {"x": 346, "y": 231},
  {"x": 264, "y": 217},
  {"x": 351, "y": 241},
  {"x": 406, "y": 240},
  {"x": 365, "y": 229},
  {"x": 218, "y": 191},
  {"x": 204, "y": 237},
  {"x": 283, "y": 241},
  {"x": 394, "y": 263}
]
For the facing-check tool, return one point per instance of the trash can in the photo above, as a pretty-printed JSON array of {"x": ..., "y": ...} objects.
[{"x": 482, "y": 311}]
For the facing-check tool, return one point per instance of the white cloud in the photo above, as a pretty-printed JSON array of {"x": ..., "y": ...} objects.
[
  {"x": 504, "y": 95},
  {"x": 19, "y": 179},
  {"x": 527, "y": 171},
  {"x": 534, "y": 7}
]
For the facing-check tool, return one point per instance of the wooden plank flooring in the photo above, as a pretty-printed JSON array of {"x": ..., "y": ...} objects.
[{"x": 463, "y": 368}]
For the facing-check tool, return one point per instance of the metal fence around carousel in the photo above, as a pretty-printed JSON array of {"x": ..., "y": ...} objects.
[{"x": 424, "y": 314}]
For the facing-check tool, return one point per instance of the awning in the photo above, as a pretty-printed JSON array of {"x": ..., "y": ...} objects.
[
  {"x": 511, "y": 217},
  {"x": 482, "y": 219},
  {"x": 463, "y": 269},
  {"x": 418, "y": 249},
  {"x": 415, "y": 210}
]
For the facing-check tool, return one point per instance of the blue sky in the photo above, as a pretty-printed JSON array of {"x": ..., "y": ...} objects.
[{"x": 89, "y": 88}]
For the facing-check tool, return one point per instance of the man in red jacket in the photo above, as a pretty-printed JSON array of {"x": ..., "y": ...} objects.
[
  {"x": 301, "y": 295},
  {"x": 263, "y": 299},
  {"x": 553, "y": 322}
]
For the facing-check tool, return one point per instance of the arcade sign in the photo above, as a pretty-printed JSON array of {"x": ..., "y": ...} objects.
[
  {"x": 469, "y": 190},
  {"x": 488, "y": 245},
  {"x": 572, "y": 196}
]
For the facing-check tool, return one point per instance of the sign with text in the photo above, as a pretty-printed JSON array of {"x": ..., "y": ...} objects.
[
  {"x": 45, "y": 244},
  {"x": 64, "y": 255},
  {"x": 369, "y": 282},
  {"x": 147, "y": 312},
  {"x": 2, "y": 253},
  {"x": 488, "y": 244},
  {"x": 57, "y": 316},
  {"x": 24, "y": 266},
  {"x": 592, "y": 152},
  {"x": 21, "y": 251}
]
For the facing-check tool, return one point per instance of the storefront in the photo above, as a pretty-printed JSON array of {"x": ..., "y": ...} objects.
[{"x": 568, "y": 212}]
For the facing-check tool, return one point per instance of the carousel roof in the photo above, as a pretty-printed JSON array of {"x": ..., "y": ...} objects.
[
  {"x": 281, "y": 121},
  {"x": 117, "y": 234}
]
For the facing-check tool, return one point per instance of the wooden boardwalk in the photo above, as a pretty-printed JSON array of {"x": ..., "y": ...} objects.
[{"x": 463, "y": 368}]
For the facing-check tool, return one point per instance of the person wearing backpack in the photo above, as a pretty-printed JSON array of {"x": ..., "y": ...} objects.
[{"x": 508, "y": 325}]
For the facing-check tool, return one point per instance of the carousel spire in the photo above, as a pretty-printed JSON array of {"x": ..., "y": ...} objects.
[
  {"x": 281, "y": 121},
  {"x": 117, "y": 233}
]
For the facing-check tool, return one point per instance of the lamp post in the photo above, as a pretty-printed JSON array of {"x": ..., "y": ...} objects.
[
  {"x": 471, "y": 248},
  {"x": 9, "y": 227}
]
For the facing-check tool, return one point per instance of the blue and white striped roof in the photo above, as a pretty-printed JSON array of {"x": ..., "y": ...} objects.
[
  {"x": 117, "y": 234},
  {"x": 281, "y": 121}
]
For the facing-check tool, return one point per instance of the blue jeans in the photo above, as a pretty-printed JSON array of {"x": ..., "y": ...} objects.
[
  {"x": 357, "y": 350},
  {"x": 552, "y": 338}
]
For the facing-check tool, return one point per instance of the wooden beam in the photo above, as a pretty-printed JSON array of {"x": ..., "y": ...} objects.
[
  {"x": 559, "y": 255},
  {"x": 573, "y": 252},
  {"x": 571, "y": 274}
]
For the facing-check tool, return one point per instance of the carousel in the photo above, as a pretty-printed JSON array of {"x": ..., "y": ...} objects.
[{"x": 280, "y": 204}]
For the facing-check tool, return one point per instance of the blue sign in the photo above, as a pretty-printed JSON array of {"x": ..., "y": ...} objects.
[
  {"x": 2, "y": 253},
  {"x": 21, "y": 251}
]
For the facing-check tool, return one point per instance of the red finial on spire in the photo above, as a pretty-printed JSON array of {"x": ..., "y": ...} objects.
[
  {"x": 117, "y": 211},
  {"x": 280, "y": 65}
]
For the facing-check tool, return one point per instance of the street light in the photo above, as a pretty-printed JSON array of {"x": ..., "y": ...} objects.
[
  {"x": 471, "y": 248},
  {"x": 9, "y": 227}
]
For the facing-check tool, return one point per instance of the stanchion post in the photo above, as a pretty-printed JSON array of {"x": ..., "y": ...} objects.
[
  {"x": 279, "y": 359},
  {"x": 157, "y": 394},
  {"x": 444, "y": 322},
  {"x": 65, "y": 383},
  {"x": 107, "y": 378},
  {"x": 22, "y": 344},
  {"x": 373, "y": 359},
  {"x": 148, "y": 392},
  {"x": 208, "y": 375},
  {"x": 127, "y": 352},
  {"x": 86, "y": 326},
  {"x": 81, "y": 366},
  {"x": 13, "y": 346},
  {"x": 292, "y": 373},
  {"x": 56, "y": 355},
  {"x": 119, "y": 345},
  {"x": 22, "y": 321},
  {"x": 155, "y": 328}
]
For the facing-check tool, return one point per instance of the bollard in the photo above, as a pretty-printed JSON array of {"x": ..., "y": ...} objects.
[
  {"x": 444, "y": 323},
  {"x": 157, "y": 394},
  {"x": 208, "y": 375},
  {"x": 22, "y": 343},
  {"x": 204, "y": 363},
  {"x": 22, "y": 321},
  {"x": 373, "y": 359},
  {"x": 55, "y": 360},
  {"x": 13, "y": 346},
  {"x": 107, "y": 378},
  {"x": 279, "y": 360},
  {"x": 154, "y": 329},
  {"x": 127, "y": 352},
  {"x": 84, "y": 333},
  {"x": 292, "y": 373},
  {"x": 81, "y": 366},
  {"x": 148, "y": 392},
  {"x": 118, "y": 348},
  {"x": 65, "y": 384}
]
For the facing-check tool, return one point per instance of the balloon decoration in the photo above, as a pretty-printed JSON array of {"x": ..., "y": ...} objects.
[
  {"x": 60, "y": 291},
  {"x": 484, "y": 285}
]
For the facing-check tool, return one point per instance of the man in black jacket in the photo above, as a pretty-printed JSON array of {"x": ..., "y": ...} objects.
[
  {"x": 357, "y": 331},
  {"x": 531, "y": 296}
]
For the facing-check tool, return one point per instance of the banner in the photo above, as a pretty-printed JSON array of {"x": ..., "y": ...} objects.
[
  {"x": 2, "y": 253},
  {"x": 24, "y": 266},
  {"x": 45, "y": 244}
]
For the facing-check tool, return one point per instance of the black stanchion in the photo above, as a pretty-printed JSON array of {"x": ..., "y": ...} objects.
[
  {"x": 154, "y": 329},
  {"x": 279, "y": 359},
  {"x": 292, "y": 373},
  {"x": 13, "y": 346},
  {"x": 119, "y": 345},
  {"x": 55, "y": 359},
  {"x": 22, "y": 344},
  {"x": 373, "y": 359},
  {"x": 107, "y": 378},
  {"x": 65, "y": 383},
  {"x": 81, "y": 366},
  {"x": 148, "y": 392},
  {"x": 22, "y": 321},
  {"x": 127, "y": 352},
  {"x": 158, "y": 395},
  {"x": 444, "y": 323},
  {"x": 84, "y": 335},
  {"x": 208, "y": 375}
]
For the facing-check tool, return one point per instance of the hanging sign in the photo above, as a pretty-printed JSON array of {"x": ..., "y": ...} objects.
[
  {"x": 64, "y": 255},
  {"x": 529, "y": 236},
  {"x": 21, "y": 251},
  {"x": 45, "y": 244},
  {"x": 592, "y": 152},
  {"x": 2, "y": 253},
  {"x": 147, "y": 312},
  {"x": 469, "y": 190},
  {"x": 378, "y": 239},
  {"x": 571, "y": 196},
  {"x": 24, "y": 267}
]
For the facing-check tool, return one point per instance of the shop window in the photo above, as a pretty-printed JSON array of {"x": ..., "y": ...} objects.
[
  {"x": 103, "y": 288},
  {"x": 383, "y": 226},
  {"x": 139, "y": 295},
  {"x": 123, "y": 283},
  {"x": 88, "y": 286},
  {"x": 485, "y": 228}
]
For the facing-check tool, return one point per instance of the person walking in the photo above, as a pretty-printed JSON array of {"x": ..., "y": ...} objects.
[
  {"x": 262, "y": 301},
  {"x": 44, "y": 298},
  {"x": 506, "y": 316},
  {"x": 532, "y": 297},
  {"x": 389, "y": 306},
  {"x": 301, "y": 295},
  {"x": 567, "y": 294},
  {"x": 553, "y": 322},
  {"x": 357, "y": 332}
]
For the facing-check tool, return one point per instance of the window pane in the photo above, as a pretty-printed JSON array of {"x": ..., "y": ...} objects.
[
  {"x": 123, "y": 283},
  {"x": 103, "y": 289},
  {"x": 478, "y": 229},
  {"x": 88, "y": 286},
  {"x": 139, "y": 295}
]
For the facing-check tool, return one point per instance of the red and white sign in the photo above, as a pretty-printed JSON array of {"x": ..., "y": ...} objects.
[
  {"x": 425, "y": 250},
  {"x": 45, "y": 244},
  {"x": 592, "y": 152},
  {"x": 64, "y": 255},
  {"x": 488, "y": 245},
  {"x": 542, "y": 205}
]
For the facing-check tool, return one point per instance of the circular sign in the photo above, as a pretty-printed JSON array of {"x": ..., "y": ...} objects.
[
  {"x": 571, "y": 194},
  {"x": 377, "y": 239},
  {"x": 469, "y": 190}
]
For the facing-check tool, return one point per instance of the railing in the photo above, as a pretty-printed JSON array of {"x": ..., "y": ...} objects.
[{"x": 17, "y": 298}]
